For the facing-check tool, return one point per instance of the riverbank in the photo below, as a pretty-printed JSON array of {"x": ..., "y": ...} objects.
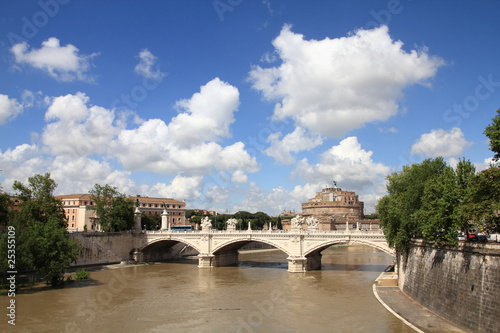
[{"x": 408, "y": 311}]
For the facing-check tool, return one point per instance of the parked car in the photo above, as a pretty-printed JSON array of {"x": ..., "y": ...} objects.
[
  {"x": 494, "y": 238},
  {"x": 461, "y": 237},
  {"x": 478, "y": 237}
]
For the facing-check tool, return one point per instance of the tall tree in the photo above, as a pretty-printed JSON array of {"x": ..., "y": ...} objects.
[
  {"x": 114, "y": 210},
  {"x": 492, "y": 131},
  {"x": 483, "y": 204},
  {"x": 398, "y": 210},
  {"x": 41, "y": 239}
]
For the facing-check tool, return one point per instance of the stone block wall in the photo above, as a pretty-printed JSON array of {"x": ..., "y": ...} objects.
[
  {"x": 100, "y": 248},
  {"x": 460, "y": 284}
]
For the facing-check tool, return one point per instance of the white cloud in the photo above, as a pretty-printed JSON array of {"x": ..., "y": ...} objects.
[
  {"x": 78, "y": 175},
  {"x": 351, "y": 166},
  {"x": 206, "y": 116},
  {"x": 63, "y": 63},
  {"x": 296, "y": 141},
  {"x": 187, "y": 144},
  {"x": 331, "y": 86},
  {"x": 388, "y": 130},
  {"x": 216, "y": 195},
  {"x": 9, "y": 109},
  {"x": 273, "y": 201},
  {"x": 148, "y": 66},
  {"x": 441, "y": 143},
  {"x": 78, "y": 129},
  {"x": 180, "y": 188}
]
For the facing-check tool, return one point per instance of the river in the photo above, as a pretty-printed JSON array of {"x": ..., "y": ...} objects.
[{"x": 258, "y": 295}]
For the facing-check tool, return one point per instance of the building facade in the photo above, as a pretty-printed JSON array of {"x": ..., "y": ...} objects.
[
  {"x": 80, "y": 218},
  {"x": 338, "y": 210},
  {"x": 154, "y": 206}
]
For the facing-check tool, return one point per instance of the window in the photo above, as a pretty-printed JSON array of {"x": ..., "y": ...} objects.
[{"x": 73, "y": 218}]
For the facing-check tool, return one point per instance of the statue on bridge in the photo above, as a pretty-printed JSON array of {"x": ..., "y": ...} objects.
[
  {"x": 206, "y": 224},
  {"x": 231, "y": 224},
  {"x": 312, "y": 223},
  {"x": 297, "y": 222}
]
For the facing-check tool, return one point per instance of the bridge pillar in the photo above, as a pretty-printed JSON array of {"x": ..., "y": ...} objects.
[
  {"x": 225, "y": 259},
  {"x": 205, "y": 260},
  {"x": 138, "y": 255},
  {"x": 297, "y": 264},
  {"x": 313, "y": 261}
]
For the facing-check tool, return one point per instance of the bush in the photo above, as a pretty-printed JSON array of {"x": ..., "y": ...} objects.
[{"x": 81, "y": 274}]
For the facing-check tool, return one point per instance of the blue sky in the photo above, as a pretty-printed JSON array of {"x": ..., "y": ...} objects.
[{"x": 243, "y": 105}]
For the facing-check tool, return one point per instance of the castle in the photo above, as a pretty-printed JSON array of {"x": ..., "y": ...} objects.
[{"x": 338, "y": 210}]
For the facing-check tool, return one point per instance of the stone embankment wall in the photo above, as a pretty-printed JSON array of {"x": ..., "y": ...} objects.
[
  {"x": 100, "y": 248},
  {"x": 460, "y": 284}
]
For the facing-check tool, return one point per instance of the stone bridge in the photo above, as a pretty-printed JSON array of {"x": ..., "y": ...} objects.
[{"x": 220, "y": 248}]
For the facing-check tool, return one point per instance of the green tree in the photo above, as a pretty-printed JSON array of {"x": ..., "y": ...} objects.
[
  {"x": 398, "y": 210},
  {"x": 5, "y": 205},
  {"x": 492, "y": 131},
  {"x": 42, "y": 242},
  {"x": 435, "y": 218},
  {"x": 483, "y": 203},
  {"x": 114, "y": 210},
  {"x": 464, "y": 174},
  {"x": 151, "y": 221}
]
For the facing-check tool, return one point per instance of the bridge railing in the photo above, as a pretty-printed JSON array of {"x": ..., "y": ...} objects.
[{"x": 319, "y": 232}]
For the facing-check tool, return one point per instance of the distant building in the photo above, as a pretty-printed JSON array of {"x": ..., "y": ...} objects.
[
  {"x": 338, "y": 210},
  {"x": 176, "y": 209},
  {"x": 78, "y": 216}
]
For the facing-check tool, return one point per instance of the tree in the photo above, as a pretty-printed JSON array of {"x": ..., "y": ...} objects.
[
  {"x": 464, "y": 174},
  {"x": 41, "y": 239},
  {"x": 483, "y": 204},
  {"x": 398, "y": 210},
  {"x": 5, "y": 204},
  {"x": 114, "y": 210},
  {"x": 151, "y": 221},
  {"x": 492, "y": 131},
  {"x": 436, "y": 220}
]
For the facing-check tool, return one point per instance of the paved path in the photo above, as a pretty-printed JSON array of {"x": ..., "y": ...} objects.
[{"x": 414, "y": 315}]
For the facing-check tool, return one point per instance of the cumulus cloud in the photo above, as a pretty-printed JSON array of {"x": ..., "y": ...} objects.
[
  {"x": 351, "y": 166},
  {"x": 63, "y": 63},
  {"x": 189, "y": 142},
  {"x": 78, "y": 175},
  {"x": 296, "y": 141},
  {"x": 331, "y": 86},
  {"x": 10, "y": 108},
  {"x": 181, "y": 187},
  {"x": 441, "y": 143},
  {"x": 77, "y": 129},
  {"x": 148, "y": 66},
  {"x": 206, "y": 116},
  {"x": 273, "y": 201}
]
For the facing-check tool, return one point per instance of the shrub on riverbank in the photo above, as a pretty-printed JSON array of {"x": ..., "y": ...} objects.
[{"x": 81, "y": 274}]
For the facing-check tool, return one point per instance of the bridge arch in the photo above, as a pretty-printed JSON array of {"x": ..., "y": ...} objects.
[
  {"x": 234, "y": 244},
  {"x": 324, "y": 245},
  {"x": 166, "y": 243}
]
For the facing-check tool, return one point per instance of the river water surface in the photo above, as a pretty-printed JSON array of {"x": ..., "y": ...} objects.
[{"x": 258, "y": 295}]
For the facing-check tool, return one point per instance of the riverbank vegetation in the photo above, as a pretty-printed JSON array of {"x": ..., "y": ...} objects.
[
  {"x": 435, "y": 202},
  {"x": 34, "y": 237}
]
